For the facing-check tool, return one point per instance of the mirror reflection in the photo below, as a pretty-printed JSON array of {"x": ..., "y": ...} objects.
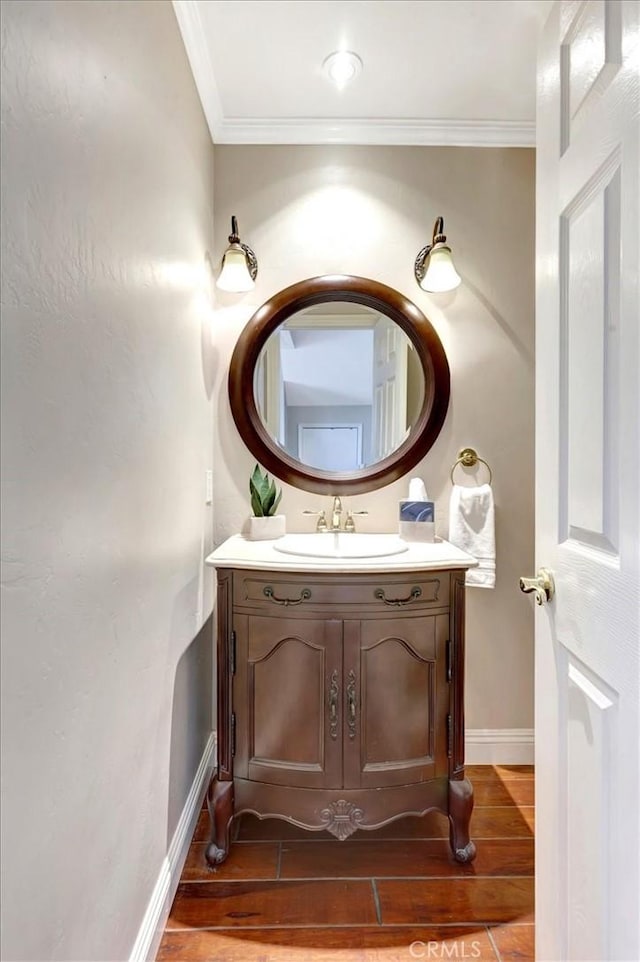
[{"x": 339, "y": 386}]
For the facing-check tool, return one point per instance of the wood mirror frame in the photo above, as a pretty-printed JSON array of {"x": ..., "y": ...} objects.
[{"x": 323, "y": 290}]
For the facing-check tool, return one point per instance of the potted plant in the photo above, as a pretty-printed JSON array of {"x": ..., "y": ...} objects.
[{"x": 265, "y": 524}]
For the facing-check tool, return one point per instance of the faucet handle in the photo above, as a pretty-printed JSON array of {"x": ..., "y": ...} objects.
[
  {"x": 350, "y": 525},
  {"x": 322, "y": 519}
]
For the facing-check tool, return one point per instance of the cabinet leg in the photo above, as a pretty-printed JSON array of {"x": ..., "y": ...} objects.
[
  {"x": 220, "y": 805},
  {"x": 460, "y": 808}
]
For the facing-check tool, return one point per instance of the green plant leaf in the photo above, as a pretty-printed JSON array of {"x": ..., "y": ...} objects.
[
  {"x": 256, "y": 500},
  {"x": 260, "y": 481},
  {"x": 257, "y": 488},
  {"x": 274, "y": 509},
  {"x": 269, "y": 499},
  {"x": 256, "y": 474}
]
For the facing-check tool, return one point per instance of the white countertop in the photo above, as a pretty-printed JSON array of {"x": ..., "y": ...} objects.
[{"x": 239, "y": 552}]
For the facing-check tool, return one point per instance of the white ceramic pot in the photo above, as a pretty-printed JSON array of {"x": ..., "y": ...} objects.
[{"x": 267, "y": 529}]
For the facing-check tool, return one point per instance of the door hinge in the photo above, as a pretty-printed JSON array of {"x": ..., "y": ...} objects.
[
  {"x": 449, "y": 662},
  {"x": 233, "y": 733},
  {"x": 233, "y": 653},
  {"x": 449, "y": 736}
]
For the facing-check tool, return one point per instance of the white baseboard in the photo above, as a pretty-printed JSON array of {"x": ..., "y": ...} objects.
[
  {"x": 155, "y": 917},
  {"x": 499, "y": 746}
]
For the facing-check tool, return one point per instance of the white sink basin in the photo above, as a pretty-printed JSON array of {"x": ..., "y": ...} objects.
[{"x": 339, "y": 544}]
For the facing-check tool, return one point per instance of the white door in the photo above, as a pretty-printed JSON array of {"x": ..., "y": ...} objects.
[
  {"x": 389, "y": 387},
  {"x": 269, "y": 389},
  {"x": 331, "y": 447},
  {"x": 588, "y": 484}
]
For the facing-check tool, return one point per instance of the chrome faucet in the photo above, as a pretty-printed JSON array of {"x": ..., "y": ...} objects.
[
  {"x": 336, "y": 513},
  {"x": 323, "y": 524}
]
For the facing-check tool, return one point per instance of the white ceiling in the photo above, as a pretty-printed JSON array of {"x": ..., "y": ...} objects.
[{"x": 435, "y": 71}]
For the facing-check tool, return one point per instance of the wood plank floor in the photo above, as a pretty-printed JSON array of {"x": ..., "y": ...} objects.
[{"x": 394, "y": 895}]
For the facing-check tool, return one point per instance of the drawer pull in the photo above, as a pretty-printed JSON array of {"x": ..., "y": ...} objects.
[
  {"x": 334, "y": 692},
  {"x": 305, "y": 594},
  {"x": 398, "y": 602},
  {"x": 351, "y": 704}
]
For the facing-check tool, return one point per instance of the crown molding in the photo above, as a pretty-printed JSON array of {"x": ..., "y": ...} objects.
[
  {"x": 303, "y": 130},
  {"x": 193, "y": 37},
  {"x": 401, "y": 133}
]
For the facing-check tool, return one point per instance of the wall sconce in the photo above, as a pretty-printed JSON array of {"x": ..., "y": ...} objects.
[
  {"x": 239, "y": 265},
  {"x": 434, "y": 267}
]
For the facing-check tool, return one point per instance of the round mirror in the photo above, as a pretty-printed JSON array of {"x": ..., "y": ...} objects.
[{"x": 339, "y": 384}]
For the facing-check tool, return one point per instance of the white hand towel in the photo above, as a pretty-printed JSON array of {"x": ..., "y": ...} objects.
[{"x": 472, "y": 528}]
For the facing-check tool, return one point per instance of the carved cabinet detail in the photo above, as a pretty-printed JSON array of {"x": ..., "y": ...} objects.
[{"x": 340, "y": 701}]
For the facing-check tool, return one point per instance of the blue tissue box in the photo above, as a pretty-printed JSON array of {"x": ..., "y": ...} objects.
[{"x": 417, "y": 511}]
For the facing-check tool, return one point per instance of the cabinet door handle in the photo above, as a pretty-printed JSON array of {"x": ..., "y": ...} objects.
[
  {"x": 351, "y": 704},
  {"x": 305, "y": 594},
  {"x": 398, "y": 602},
  {"x": 334, "y": 693}
]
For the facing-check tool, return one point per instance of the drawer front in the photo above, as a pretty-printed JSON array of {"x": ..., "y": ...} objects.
[{"x": 404, "y": 591}]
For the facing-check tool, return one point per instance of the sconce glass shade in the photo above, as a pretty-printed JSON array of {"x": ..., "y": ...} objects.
[
  {"x": 239, "y": 265},
  {"x": 433, "y": 266},
  {"x": 235, "y": 276},
  {"x": 441, "y": 274}
]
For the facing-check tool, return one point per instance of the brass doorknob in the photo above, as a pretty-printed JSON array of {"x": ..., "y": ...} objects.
[{"x": 543, "y": 586}]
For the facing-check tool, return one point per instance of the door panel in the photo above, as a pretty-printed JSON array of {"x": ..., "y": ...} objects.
[
  {"x": 390, "y": 387},
  {"x": 286, "y": 699},
  {"x": 590, "y": 743},
  {"x": 589, "y": 316},
  {"x": 587, "y": 483},
  {"x": 396, "y": 700},
  {"x": 590, "y": 56}
]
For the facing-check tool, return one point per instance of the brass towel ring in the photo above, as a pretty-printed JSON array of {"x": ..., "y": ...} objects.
[{"x": 468, "y": 457}]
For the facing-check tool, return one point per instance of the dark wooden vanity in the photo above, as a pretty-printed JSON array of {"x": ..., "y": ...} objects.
[
  {"x": 341, "y": 685},
  {"x": 340, "y": 700}
]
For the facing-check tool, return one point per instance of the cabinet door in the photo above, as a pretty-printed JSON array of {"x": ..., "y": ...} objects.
[
  {"x": 397, "y": 701},
  {"x": 287, "y": 701}
]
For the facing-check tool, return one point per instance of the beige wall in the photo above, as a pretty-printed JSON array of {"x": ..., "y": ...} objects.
[
  {"x": 107, "y": 195},
  {"x": 367, "y": 211}
]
